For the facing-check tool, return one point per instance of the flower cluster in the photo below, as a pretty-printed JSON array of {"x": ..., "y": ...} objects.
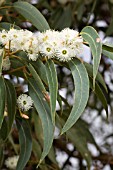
[
  {"x": 62, "y": 45},
  {"x": 11, "y": 162}
]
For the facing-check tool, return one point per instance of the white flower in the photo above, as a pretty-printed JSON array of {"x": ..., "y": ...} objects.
[
  {"x": 24, "y": 102},
  {"x": 4, "y": 38},
  {"x": 47, "y": 50},
  {"x": 64, "y": 53},
  {"x": 11, "y": 162},
  {"x": 48, "y": 41},
  {"x": 6, "y": 64},
  {"x": 32, "y": 56}
]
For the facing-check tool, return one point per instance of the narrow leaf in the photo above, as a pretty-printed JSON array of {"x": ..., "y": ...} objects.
[
  {"x": 11, "y": 104},
  {"x": 81, "y": 95},
  {"x": 90, "y": 35},
  {"x": 40, "y": 69},
  {"x": 1, "y": 60},
  {"x": 7, "y": 26},
  {"x": 32, "y": 14},
  {"x": 99, "y": 93},
  {"x": 2, "y": 99},
  {"x": 36, "y": 149},
  {"x": 43, "y": 110},
  {"x": 80, "y": 143},
  {"x": 53, "y": 86},
  {"x": 99, "y": 77},
  {"x": 1, "y": 156},
  {"x": 25, "y": 141},
  {"x": 108, "y": 54},
  {"x": 37, "y": 78}
]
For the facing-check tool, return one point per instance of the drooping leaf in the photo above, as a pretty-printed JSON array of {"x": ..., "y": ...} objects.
[
  {"x": 77, "y": 136},
  {"x": 32, "y": 14},
  {"x": 3, "y": 131},
  {"x": 43, "y": 110},
  {"x": 1, "y": 60},
  {"x": 99, "y": 77},
  {"x": 25, "y": 141},
  {"x": 7, "y": 26},
  {"x": 81, "y": 93},
  {"x": 38, "y": 128},
  {"x": 40, "y": 69},
  {"x": 65, "y": 18},
  {"x": 59, "y": 99},
  {"x": 11, "y": 104},
  {"x": 36, "y": 78},
  {"x": 2, "y": 100},
  {"x": 107, "y": 47},
  {"x": 53, "y": 86},
  {"x": 36, "y": 149},
  {"x": 1, "y": 156},
  {"x": 107, "y": 53},
  {"x": 90, "y": 35},
  {"x": 52, "y": 156},
  {"x": 109, "y": 31},
  {"x": 80, "y": 143},
  {"x": 99, "y": 93}
]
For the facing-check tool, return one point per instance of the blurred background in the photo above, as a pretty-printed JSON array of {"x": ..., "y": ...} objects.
[{"x": 93, "y": 133}]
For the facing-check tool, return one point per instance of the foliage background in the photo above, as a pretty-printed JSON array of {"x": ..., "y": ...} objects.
[{"x": 92, "y": 131}]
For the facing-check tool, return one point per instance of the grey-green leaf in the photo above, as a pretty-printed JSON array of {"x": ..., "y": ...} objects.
[
  {"x": 7, "y": 26},
  {"x": 81, "y": 93},
  {"x": 99, "y": 77},
  {"x": 99, "y": 93},
  {"x": 1, "y": 60},
  {"x": 44, "y": 112},
  {"x": 107, "y": 53},
  {"x": 32, "y": 14},
  {"x": 11, "y": 104},
  {"x": 25, "y": 140},
  {"x": 36, "y": 78},
  {"x": 90, "y": 35},
  {"x": 40, "y": 69},
  {"x": 2, "y": 99},
  {"x": 53, "y": 86},
  {"x": 80, "y": 143}
]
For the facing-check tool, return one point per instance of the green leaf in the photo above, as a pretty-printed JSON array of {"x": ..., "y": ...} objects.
[
  {"x": 99, "y": 77},
  {"x": 99, "y": 93},
  {"x": 109, "y": 31},
  {"x": 81, "y": 94},
  {"x": 59, "y": 99},
  {"x": 36, "y": 78},
  {"x": 7, "y": 26},
  {"x": 11, "y": 104},
  {"x": 1, "y": 60},
  {"x": 65, "y": 18},
  {"x": 107, "y": 47},
  {"x": 90, "y": 35},
  {"x": 38, "y": 128},
  {"x": 2, "y": 100},
  {"x": 36, "y": 149},
  {"x": 40, "y": 69},
  {"x": 52, "y": 156},
  {"x": 25, "y": 141},
  {"x": 79, "y": 141},
  {"x": 108, "y": 54},
  {"x": 32, "y": 14},
  {"x": 78, "y": 136},
  {"x": 1, "y": 156},
  {"x": 53, "y": 86},
  {"x": 43, "y": 110}
]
